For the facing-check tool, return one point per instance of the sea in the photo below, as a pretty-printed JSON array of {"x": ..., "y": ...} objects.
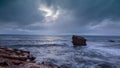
[{"x": 100, "y": 52}]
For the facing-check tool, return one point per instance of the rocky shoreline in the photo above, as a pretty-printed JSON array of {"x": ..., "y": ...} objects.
[{"x": 14, "y": 58}]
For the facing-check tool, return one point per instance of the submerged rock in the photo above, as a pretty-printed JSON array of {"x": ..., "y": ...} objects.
[
  {"x": 105, "y": 65},
  {"x": 111, "y": 40},
  {"x": 65, "y": 66},
  {"x": 78, "y": 41}
]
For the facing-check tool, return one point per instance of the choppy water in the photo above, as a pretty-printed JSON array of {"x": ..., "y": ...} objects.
[{"x": 58, "y": 50}]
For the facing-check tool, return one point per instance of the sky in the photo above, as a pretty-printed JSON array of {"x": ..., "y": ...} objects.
[{"x": 60, "y": 17}]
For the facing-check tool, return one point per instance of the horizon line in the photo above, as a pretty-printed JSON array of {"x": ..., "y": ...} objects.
[{"x": 63, "y": 34}]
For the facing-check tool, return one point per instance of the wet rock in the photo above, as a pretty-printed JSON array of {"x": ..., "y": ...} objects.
[
  {"x": 78, "y": 41},
  {"x": 105, "y": 65},
  {"x": 14, "y": 58},
  {"x": 32, "y": 58},
  {"x": 65, "y": 66},
  {"x": 111, "y": 40},
  {"x": 17, "y": 62},
  {"x": 32, "y": 65},
  {"x": 3, "y": 63}
]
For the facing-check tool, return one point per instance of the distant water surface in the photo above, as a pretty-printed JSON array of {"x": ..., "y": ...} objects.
[{"x": 100, "y": 52}]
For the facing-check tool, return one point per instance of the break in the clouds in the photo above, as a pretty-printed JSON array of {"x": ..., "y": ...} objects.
[{"x": 89, "y": 17}]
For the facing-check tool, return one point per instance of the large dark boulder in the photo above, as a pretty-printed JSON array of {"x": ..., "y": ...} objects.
[{"x": 78, "y": 41}]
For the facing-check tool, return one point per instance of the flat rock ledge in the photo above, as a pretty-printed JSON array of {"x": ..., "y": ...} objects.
[{"x": 14, "y": 58}]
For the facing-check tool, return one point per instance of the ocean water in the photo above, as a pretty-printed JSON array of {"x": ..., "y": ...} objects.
[{"x": 58, "y": 50}]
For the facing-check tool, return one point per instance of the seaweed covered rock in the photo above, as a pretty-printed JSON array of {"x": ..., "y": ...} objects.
[{"x": 78, "y": 41}]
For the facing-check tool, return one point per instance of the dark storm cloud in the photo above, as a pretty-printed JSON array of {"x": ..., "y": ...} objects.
[
  {"x": 27, "y": 10},
  {"x": 19, "y": 11},
  {"x": 91, "y": 13},
  {"x": 81, "y": 16},
  {"x": 90, "y": 9}
]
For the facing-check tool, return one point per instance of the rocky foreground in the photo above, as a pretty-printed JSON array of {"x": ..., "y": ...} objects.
[{"x": 14, "y": 58}]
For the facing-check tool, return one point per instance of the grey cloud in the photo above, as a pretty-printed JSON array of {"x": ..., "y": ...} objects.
[
  {"x": 95, "y": 9},
  {"x": 79, "y": 14},
  {"x": 19, "y": 11}
]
